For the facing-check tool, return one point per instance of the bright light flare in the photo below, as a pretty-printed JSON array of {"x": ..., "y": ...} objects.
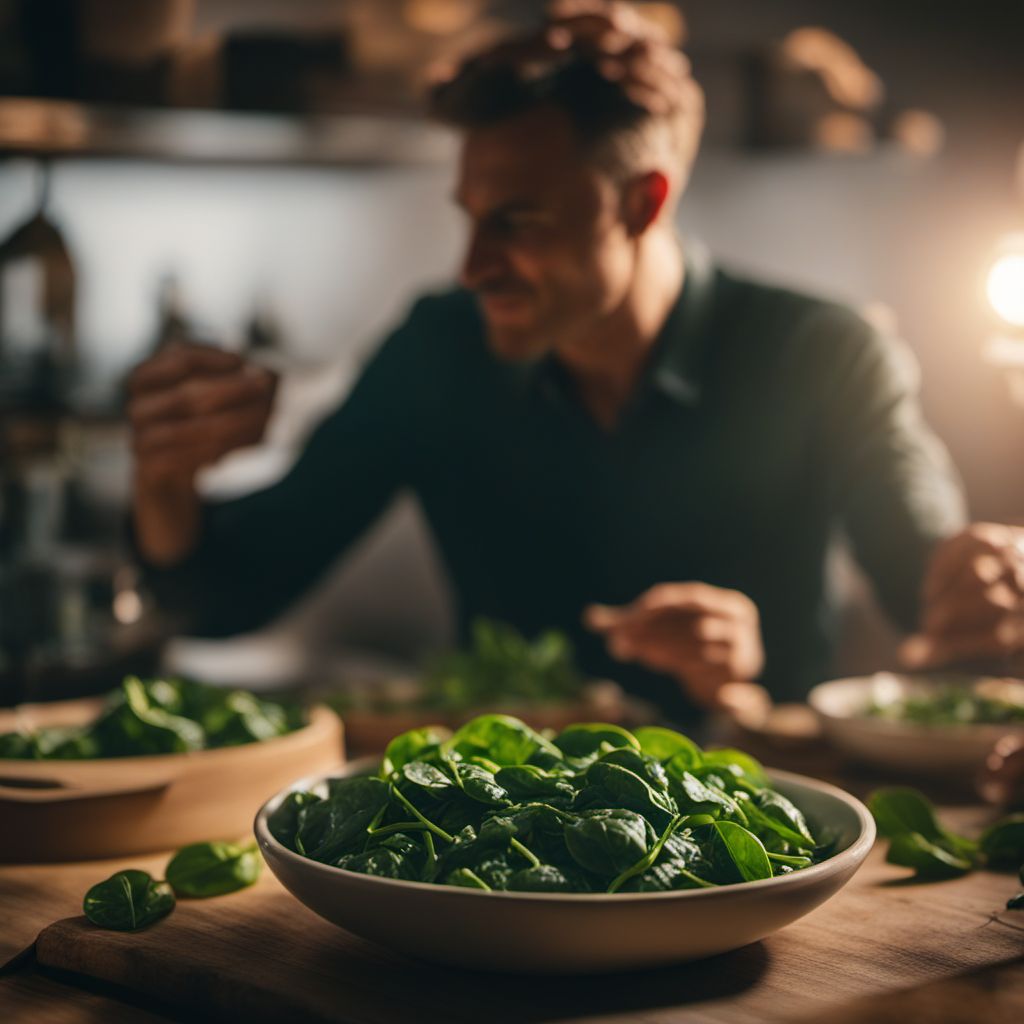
[{"x": 1005, "y": 287}]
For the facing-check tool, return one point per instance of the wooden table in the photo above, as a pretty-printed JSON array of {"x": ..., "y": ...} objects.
[{"x": 882, "y": 950}]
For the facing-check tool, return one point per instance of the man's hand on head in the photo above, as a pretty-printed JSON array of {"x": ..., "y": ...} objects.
[
  {"x": 627, "y": 48},
  {"x": 624, "y": 46},
  {"x": 704, "y": 636},
  {"x": 973, "y": 601}
]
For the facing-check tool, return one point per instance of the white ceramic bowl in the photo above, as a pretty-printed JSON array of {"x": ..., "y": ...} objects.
[
  {"x": 576, "y": 933},
  {"x": 909, "y": 748}
]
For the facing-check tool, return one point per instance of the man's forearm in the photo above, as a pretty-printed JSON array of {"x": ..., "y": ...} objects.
[{"x": 167, "y": 521}]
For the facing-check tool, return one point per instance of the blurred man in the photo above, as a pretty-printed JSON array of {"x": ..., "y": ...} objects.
[{"x": 600, "y": 424}]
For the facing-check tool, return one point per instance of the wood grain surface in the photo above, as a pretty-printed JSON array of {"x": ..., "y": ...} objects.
[
  {"x": 883, "y": 949},
  {"x": 33, "y": 896}
]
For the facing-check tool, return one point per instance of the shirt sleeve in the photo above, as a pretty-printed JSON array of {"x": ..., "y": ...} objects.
[
  {"x": 892, "y": 481},
  {"x": 258, "y": 553}
]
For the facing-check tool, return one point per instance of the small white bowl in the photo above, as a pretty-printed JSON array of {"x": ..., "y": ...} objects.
[
  {"x": 909, "y": 748},
  {"x": 554, "y": 933}
]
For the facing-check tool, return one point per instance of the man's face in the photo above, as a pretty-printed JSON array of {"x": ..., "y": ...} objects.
[{"x": 547, "y": 254}]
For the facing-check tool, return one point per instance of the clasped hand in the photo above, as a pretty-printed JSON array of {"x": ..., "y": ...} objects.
[
  {"x": 973, "y": 600},
  {"x": 189, "y": 405}
]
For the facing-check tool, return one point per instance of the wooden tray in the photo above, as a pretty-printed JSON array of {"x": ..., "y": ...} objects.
[{"x": 112, "y": 807}]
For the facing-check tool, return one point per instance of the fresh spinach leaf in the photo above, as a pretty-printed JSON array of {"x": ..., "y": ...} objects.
[
  {"x": 611, "y": 785},
  {"x": 467, "y": 879},
  {"x": 501, "y": 738},
  {"x": 775, "y": 812},
  {"x": 907, "y": 818},
  {"x": 479, "y": 784},
  {"x": 411, "y": 746},
  {"x": 1003, "y": 843},
  {"x": 930, "y": 859},
  {"x": 593, "y": 737},
  {"x": 733, "y": 853},
  {"x": 426, "y": 776},
  {"x": 647, "y": 767},
  {"x": 737, "y": 762},
  {"x": 201, "y": 870},
  {"x": 331, "y": 828},
  {"x": 524, "y": 782},
  {"x": 284, "y": 822},
  {"x": 668, "y": 745},
  {"x": 128, "y": 901},
  {"x": 608, "y": 842}
]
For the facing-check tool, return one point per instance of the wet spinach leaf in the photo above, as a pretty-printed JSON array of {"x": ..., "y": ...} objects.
[{"x": 481, "y": 785}]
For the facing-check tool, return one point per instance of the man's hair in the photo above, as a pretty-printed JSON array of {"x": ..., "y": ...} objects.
[{"x": 618, "y": 136}]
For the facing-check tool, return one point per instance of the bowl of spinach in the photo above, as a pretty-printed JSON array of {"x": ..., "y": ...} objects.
[
  {"x": 597, "y": 848},
  {"x": 152, "y": 716},
  {"x": 498, "y": 669},
  {"x": 941, "y": 725},
  {"x": 154, "y": 764}
]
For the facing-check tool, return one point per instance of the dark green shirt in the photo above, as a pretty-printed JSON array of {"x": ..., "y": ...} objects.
[{"x": 765, "y": 422}]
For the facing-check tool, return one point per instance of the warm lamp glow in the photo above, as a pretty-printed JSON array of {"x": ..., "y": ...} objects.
[
  {"x": 439, "y": 17},
  {"x": 1005, "y": 287}
]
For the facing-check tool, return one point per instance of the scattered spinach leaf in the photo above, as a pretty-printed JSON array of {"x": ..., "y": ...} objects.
[
  {"x": 1003, "y": 843},
  {"x": 918, "y": 841},
  {"x": 128, "y": 901},
  {"x": 201, "y": 870}
]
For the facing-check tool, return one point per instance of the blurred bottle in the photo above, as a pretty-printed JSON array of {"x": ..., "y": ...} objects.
[
  {"x": 37, "y": 310},
  {"x": 172, "y": 325}
]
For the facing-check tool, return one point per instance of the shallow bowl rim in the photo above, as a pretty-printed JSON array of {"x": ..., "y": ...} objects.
[{"x": 895, "y": 728}]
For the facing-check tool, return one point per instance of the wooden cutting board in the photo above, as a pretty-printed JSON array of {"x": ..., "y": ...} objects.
[{"x": 259, "y": 955}]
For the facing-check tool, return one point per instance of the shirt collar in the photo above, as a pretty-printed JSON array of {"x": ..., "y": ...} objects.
[{"x": 676, "y": 364}]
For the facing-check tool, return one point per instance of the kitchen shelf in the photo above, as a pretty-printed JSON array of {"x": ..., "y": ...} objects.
[{"x": 57, "y": 128}]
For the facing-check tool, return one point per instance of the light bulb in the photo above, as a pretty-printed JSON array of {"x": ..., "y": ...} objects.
[{"x": 1005, "y": 287}]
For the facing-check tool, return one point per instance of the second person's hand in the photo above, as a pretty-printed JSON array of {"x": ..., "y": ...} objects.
[{"x": 704, "y": 636}]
